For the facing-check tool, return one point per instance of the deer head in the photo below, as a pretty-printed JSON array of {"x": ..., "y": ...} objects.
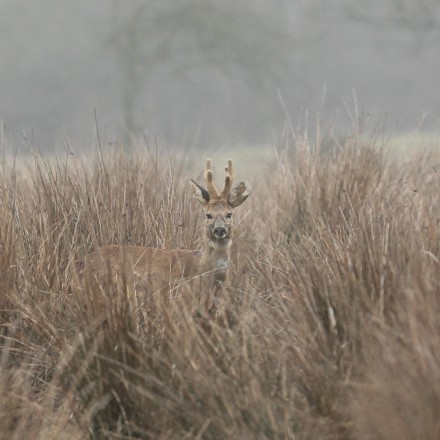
[{"x": 219, "y": 206}]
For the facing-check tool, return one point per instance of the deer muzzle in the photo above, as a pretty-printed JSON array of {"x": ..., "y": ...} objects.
[{"x": 219, "y": 232}]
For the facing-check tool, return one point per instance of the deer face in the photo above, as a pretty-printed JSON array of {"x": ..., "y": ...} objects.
[
  {"x": 218, "y": 223},
  {"x": 219, "y": 207}
]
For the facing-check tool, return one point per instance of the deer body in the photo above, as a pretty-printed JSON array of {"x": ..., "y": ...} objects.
[{"x": 157, "y": 268}]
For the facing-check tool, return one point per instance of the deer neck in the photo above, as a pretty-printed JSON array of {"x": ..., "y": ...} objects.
[{"x": 215, "y": 258}]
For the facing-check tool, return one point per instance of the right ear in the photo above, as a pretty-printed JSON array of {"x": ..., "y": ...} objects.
[
  {"x": 200, "y": 193},
  {"x": 238, "y": 195}
]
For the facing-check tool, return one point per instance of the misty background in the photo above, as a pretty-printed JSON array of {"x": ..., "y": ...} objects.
[{"x": 213, "y": 72}]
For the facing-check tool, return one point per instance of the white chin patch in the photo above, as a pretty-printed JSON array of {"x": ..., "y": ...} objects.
[
  {"x": 216, "y": 242},
  {"x": 221, "y": 263}
]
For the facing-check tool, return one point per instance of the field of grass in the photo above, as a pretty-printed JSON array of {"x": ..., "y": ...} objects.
[{"x": 328, "y": 329}]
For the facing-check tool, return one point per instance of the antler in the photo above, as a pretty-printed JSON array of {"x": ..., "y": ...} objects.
[
  {"x": 212, "y": 190},
  {"x": 229, "y": 179}
]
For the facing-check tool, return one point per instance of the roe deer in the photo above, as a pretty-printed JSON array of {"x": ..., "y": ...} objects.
[{"x": 158, "y": 268}]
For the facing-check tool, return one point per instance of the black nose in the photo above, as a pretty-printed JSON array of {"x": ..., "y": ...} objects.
[{"x": 219, "y": 232}]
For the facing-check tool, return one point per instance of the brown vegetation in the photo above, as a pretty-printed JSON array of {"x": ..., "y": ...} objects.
[{"x": 329, "y": 327}]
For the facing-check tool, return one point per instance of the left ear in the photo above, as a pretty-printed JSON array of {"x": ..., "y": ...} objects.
[
  {"x": 200, "y": 193},
  {"x": 238, "y": 195}
]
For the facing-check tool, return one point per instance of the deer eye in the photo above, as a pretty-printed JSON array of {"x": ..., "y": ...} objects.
[
  {"x": 209, "y": 216},
  {"x": 229, "y": 215}
]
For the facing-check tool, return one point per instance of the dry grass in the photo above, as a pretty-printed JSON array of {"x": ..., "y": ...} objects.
[{"x": 329, "y": 329}]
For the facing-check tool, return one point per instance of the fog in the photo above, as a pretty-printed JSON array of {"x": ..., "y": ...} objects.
[{"x": 210, "y": 72}]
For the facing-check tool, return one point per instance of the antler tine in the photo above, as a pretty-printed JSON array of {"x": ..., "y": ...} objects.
[
  {"x": 229, "y": 179},
  {"x": 212, "y": 190}
]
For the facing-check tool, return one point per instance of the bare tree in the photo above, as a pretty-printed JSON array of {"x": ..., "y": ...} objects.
[
  {"x": 248, "y": 40},
  {"x": 416, "y": 15}
]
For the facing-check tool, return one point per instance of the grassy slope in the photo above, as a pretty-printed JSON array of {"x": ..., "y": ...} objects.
[{"x": 329, "y": 329}]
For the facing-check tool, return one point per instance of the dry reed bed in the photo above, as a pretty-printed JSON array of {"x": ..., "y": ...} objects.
[{"x": 329, "y": 329}]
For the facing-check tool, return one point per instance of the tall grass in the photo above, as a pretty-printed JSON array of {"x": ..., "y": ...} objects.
[{"x": 328, "y": 329}]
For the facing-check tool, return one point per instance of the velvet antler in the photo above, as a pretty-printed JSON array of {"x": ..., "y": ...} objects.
[
  {"x": 229, "y": 179},
  {"x": 212, "y": 190}
]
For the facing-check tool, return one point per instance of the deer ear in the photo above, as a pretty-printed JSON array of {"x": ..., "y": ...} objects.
[
  {"x": 200, "y": 193},
  {"x": 238, "y": 195}
]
